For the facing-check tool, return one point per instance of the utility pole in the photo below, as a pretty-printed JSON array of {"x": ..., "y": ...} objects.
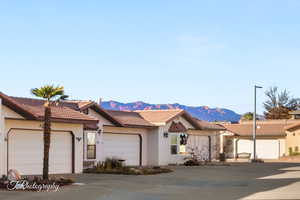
[{"x": 254, "y": 159}]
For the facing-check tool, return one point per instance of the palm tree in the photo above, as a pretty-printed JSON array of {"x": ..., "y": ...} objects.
[{"x": 51, "y": 95}]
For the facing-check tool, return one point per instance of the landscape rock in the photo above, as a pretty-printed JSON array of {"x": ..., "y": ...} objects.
[{"x": 13, "y": 175}]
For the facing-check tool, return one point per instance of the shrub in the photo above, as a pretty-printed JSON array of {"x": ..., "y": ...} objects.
[
  {"x": 222, "y": 157},
  {"x": 294, "y": 153},
  {"x": 110, "y": 163},
  {"x": 191, "y": 163},
  {"x": 290, "y": 151}
]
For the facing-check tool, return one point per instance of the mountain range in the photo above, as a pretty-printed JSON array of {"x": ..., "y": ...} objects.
[{"x": 200, "y": 112}]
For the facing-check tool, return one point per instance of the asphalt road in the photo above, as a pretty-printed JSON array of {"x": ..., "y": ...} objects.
[{"x": 238, "y": 181}]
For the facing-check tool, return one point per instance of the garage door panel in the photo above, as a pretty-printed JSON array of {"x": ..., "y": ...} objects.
[
  {"x": 268, "y": 149},
  {"x": 122, "y": 146},
  {"x": 244, "y": 146},
  {"x": 60, "y": 160},
  {"x": 26, "y": 152},
  {"x": 265, "y": 149}
]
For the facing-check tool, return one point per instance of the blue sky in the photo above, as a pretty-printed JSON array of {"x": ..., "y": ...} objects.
[{"x": 190, "y": 52}]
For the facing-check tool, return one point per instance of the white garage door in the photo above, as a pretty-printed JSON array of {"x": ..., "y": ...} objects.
[
  {"x": 265, "y": 149},
  {"x": 122, "y": 146},
  {"x": 268, "y": 149},
  {"x": 26, "y": 152},
  {"x": 201, "y": 144}
]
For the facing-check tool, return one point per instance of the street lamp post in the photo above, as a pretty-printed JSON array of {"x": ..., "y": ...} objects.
[{"x": 254, "y": 125}]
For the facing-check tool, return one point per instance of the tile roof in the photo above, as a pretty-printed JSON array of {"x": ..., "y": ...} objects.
[
  {"x": 292, "y": 127},
  {"x": 82, "y": 105},
  {"x": 33, "y": 109},
  {"x": 129, "y": 118},
  {"x": 159, "y": 116},
  {"x": 295, "y": 112},
  {"x": 210, "y": 126},
  {"x": 263, "y": 129}
]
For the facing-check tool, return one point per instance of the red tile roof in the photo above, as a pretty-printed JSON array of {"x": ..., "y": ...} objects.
[
  {"x": 159, "y": 116},
  {"x": 210, "y": 126},
  {"x": 33, "y": 109},
  {"x": 131, "y": 119},
  {"x": 164, "y": 116},
  {"x": 263, "y": 129},
  {"x": 83, "y": 105}
]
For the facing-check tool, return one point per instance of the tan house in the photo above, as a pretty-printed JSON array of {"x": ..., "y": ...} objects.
[
  {"x": 293, "y": 138},
  {"x": 270, "y": 144}
]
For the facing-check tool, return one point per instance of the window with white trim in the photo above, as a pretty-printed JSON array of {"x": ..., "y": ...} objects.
[
  {"x": 174, "y": 144},
  {"x": 91, "y": 145},
  {"x": 178, "y": 143}
]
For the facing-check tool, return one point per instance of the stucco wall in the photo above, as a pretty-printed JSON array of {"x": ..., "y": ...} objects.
[
  {"x": 153, "y": 147},
  {"x": 292, "y": 140},
  {"x": 101, "y": 123},
  {"x": 165, "y": 156},
  {"x": 8, "y": 113},
  {"x": 107, "y": 127},
  {"x": 77, "y": 130},
  {"x": 2, "y": 164},
  {"x": 102, "y": 120}
]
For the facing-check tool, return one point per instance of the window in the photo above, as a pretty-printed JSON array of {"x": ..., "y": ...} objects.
[
  {"x": 297, "y": 116},
  {"x": 183, "y": 141},
  {"x": 178, "y": 143},
  {"x": 91, "y": 145},
  {"x": 174, "y": 144}
]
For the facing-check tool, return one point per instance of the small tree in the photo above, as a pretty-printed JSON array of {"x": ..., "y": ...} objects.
[
  {"x": 247, "y": 116},
  {"x": 279, "y": 104},
  {"x": 51, "y": 94}
]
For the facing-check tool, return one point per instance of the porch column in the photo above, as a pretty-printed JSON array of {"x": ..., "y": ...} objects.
[
  {"x": 221, "y": 143},
  {"x": 235, "y": 148}
]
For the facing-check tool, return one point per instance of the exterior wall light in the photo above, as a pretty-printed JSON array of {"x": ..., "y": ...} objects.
[
  {"x": 166, "y": 134},
  {"x": 78, "y": 139}
]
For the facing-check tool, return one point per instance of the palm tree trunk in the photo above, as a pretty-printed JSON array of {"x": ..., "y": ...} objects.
[{"x": 47, "y": 139}]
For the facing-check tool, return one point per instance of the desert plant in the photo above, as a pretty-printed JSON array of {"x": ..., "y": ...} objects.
[
  {"x": 222, "y": 157},
  {"x": 195, "y": 156},
  {"x": 110, "y": 163}
]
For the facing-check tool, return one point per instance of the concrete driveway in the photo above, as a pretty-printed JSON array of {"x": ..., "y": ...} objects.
[{"x": 238, "y": 181}]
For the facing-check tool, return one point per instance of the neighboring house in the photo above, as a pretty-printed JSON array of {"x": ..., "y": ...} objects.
[
  {"x": 293, "y": 139},
  {"x": 295, "y": 114},
  {"x": 270, "y": 143},
  {"x": 293, "y": 134},
  {"x": 21, "y": 137}
]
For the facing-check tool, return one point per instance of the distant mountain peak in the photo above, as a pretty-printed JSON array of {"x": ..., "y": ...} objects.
[{"x": 201, "y": 112}]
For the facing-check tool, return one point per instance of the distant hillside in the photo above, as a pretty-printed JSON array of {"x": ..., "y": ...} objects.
[{"x": 201, "y": 112}]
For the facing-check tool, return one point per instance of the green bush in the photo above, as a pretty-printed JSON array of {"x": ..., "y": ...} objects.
[
  {"x": 191, "y": 162},
  {"x": 290, "y": 151},
  {"x": 293, "y": 153},
  {"x": 222, "y": 157}
]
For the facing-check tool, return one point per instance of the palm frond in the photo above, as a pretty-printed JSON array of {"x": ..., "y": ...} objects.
[{"x": 50, "y": 92}]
